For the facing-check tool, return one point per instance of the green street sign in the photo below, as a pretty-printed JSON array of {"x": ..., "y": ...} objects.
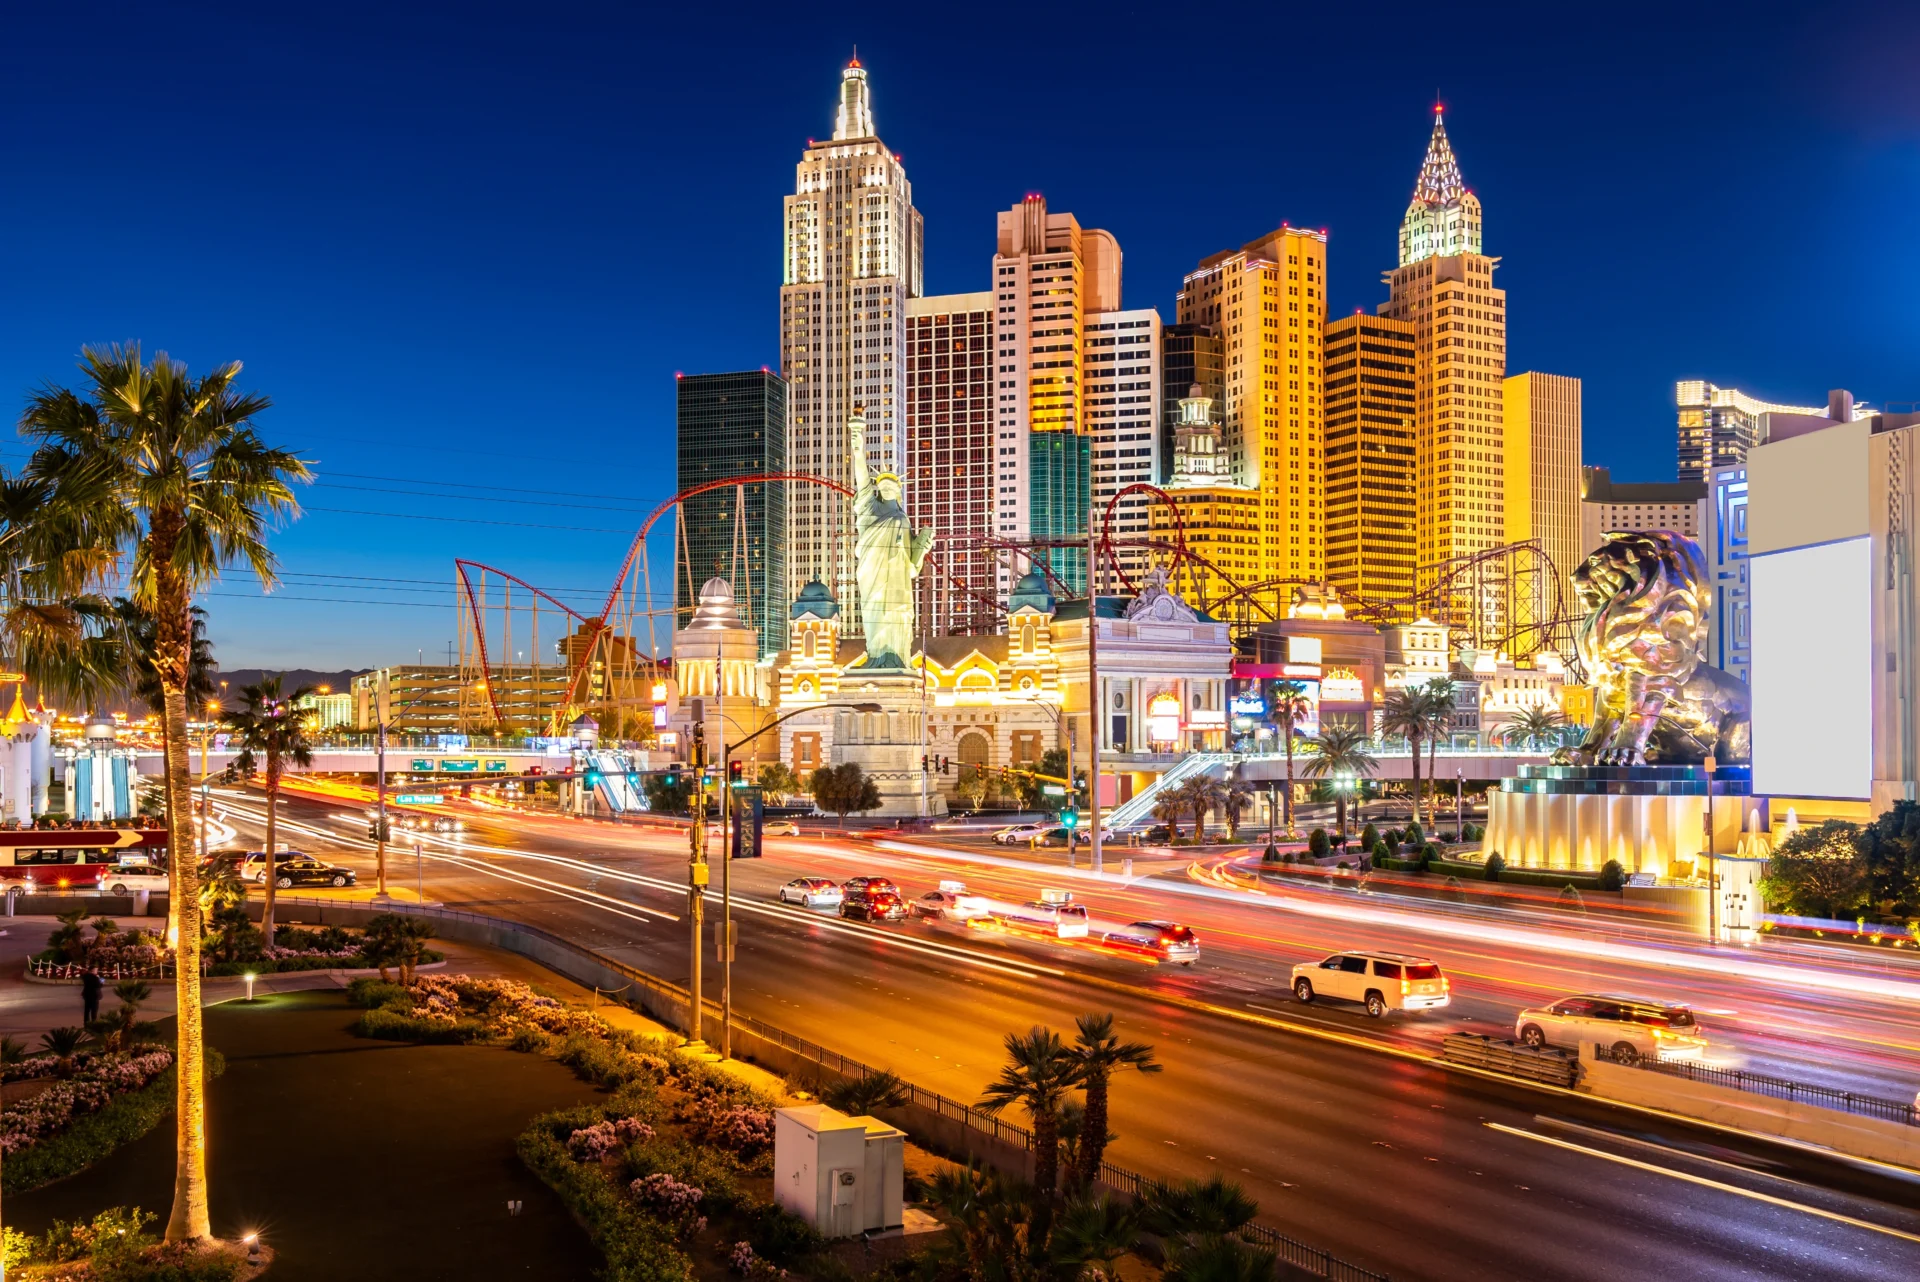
[
  {"x": 420, "y": 799},
  {"x": 459, "y": 765},
  {"x": 495, "y": 765},
  {"x": 423, "y": 763}
]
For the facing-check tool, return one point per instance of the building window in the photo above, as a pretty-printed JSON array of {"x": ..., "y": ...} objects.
[
  {"x": 806, "y": 752},
  {"x": 1026, "y": 747}
]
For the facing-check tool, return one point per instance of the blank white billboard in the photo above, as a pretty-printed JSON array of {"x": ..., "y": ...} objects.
[{"x": 1812, "y": 618}]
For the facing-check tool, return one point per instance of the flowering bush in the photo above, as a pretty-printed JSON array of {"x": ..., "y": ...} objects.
[
  {"x": 97, "y": 1081},
  {"x": 603, "y": 1139},
  {"x": 743, "y": 1261},
  {"x": 671, "y": 1200},
  {"x": 742, "y": 1128}
]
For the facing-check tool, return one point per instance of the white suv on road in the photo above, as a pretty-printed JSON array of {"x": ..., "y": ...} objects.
[
  {"x": 1382, "y": 981},
  {"x": 1628, "y": 1028}
]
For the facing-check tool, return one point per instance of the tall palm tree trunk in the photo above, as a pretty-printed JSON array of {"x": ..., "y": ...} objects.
[
  {"x": 271, "y": 876},
  {"x": 1340, "y": 807},
  {"x": 1289, "y": 780},
  {"x": 190, "y": 1220},
  {"x": 1413, "y": 741},
  {"x": 1433, "y": 779},
  {"x": 1093, "y": 1130},
  {"x": 1046, "y": 1154}
]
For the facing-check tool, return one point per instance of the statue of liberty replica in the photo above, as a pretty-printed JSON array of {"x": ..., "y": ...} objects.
[{"x": 887, "y": 555}]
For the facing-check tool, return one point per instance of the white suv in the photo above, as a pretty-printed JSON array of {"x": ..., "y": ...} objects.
[
  {"x": 1630, "y": 1028},
  {"x": 1383, "y": 981}
]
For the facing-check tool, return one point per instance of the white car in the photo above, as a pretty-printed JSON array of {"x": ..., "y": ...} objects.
[
  {"x": 1630, "y": 1029},
  {"x": 1021, "y": 834},
  {"x": 812, "y": 892},
  {"x": 1054, "y": 914},
  {"x": 1380, "y": 981},
  {"x": 781, "y": 828},
  {"x": 949, "y": 903},
  {"x": 131, "y": 875}
]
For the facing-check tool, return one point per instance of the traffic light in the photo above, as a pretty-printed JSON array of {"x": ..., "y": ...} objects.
[
  {"x": 923, "y": 763},
  {"x": 380, "y": 830},
  {"x": 592, "y": 778},
  {"x": 673, "y": 780},
  {"x": 1070, "y": 818},
  {"x": 946, "y": 765},
  {"x": 736, "y": 774}
]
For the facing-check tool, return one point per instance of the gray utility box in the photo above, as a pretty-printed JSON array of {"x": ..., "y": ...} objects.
[{"x": 842, "y": 1175}]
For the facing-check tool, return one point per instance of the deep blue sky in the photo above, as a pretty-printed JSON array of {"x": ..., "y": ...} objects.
[{"x": 470, "y": 244}]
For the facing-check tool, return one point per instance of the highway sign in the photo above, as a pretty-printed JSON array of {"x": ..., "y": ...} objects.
[
  {"x": 420, "y": 799},
  {"x": 1053, "y": 789}
]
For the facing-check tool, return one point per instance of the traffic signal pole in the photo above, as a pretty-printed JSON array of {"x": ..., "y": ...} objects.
[
  {"x": 1095, "y": 704},
  {"x": 697, "y": 875}
]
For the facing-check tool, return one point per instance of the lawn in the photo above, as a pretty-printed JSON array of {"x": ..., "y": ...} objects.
[{"x": 355, "y": 1157}]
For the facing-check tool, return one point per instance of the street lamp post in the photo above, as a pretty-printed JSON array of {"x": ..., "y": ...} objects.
[{"x": 1459, "y": 804}]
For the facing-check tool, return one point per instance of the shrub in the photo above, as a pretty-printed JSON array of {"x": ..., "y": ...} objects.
[
  {"x": 1369, "y": 837},
  {"x": 1414, "y": 835},
  {"x": 1428, "y": 853},
  {"x": 92, "y": 1136},
  {"x": 1273, "y": 856},
  {"x": 370, "y": 992},
  {"x": 1381, "y": 851},
  {"x": 1317, "y": 844},
  {"x": 392, "y": 1026},
  {"x": 1496, "y": 864},
  {"x": 637, "y": 1246},
  {"x": 777, "y": 1236},
  {"x": 1395, "y": 837},
  {"x": 1612, "y": 875}
]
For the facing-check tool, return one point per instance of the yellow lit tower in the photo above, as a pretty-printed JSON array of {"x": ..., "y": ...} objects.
[{"x": 1444, "y": 288}]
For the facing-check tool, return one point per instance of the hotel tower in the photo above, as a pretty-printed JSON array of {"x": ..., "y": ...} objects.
[{"x": 852, "y": 260}]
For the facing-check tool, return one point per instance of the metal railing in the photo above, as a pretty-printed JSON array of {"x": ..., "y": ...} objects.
[
  {"x": 1739, "y": 1079},
  {"x": 1131, "y": 1183}
]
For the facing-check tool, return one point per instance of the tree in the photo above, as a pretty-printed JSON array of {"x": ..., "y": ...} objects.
[
  {"x": 1408, "y": 713},
  {"x": 777, "y": 781},
  {"x": 1819, "y": 871},
  {"x": 1290, "y": 707},
  {"x": 1212, "y": 1258},
  {"x": 1039, "y": 1072},
  {"x": 1169, "y": 807},
  {"x": 155, "y": 463},
  {"x": 396, "y": 940},
  {"x": 1535, "y": 727},
  {"x": 973, "y": 786},
  {"x": 1891, "y": 844},
  {"x": 1091, "y": 1232},
  {"x": 669, "y": 798},
  {"x": 1441, "y": 703},
  {"x": 1097, "y": 1052},
  {"x": 1202, "y": 794},
  {"x": 858, "y": 1096},
  {"x": 122, "y": 1026},
  {"x": 844, "y": 790},
  {"x": 1342, "y": 751},
  {"x": 1213, "y": 1207},
  {"x": 1235, "y": 798},
  {"x": 272, "y": 734}
]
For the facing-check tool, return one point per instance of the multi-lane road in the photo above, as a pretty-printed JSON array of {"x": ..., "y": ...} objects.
[{"x": 1383, "y": 1159}]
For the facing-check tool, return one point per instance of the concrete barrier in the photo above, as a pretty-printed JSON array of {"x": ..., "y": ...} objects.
[{"x": 1867, "y": 1137}]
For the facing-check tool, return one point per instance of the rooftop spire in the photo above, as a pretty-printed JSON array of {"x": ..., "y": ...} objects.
[
  {"x": 854, "y": 119},
  {"x": 1439, "y": 182}
]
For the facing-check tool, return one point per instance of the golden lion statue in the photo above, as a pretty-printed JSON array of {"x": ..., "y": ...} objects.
[{"x": 1654, "y": 701}]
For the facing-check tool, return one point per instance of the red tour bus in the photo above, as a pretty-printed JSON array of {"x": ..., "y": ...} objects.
[{"x": 58, "y": 857}]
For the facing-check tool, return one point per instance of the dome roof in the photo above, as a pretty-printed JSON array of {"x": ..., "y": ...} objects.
[
  {"x": 716, "y": 591},
  {"x": 815, "y": 601},
  {"x": 716, "y": 611},
  {"x": 1031, "y": 592}
]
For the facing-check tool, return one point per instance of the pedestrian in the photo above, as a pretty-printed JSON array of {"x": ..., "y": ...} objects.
[{"x": 90, "y": 988}]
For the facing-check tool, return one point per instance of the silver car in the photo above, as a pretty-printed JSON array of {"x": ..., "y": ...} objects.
[{"x": 811, "y": 892}]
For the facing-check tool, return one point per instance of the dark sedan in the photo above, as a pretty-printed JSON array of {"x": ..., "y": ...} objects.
[
  {"x": 873, "y": 904},
  {"x": 311, "y": 872}
]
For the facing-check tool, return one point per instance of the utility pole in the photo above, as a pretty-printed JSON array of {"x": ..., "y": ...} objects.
[
  {"x": 382, "y": 709},
  {"x": 725, "y": 933},
  {"x": 697, "y": 869},
  {"x": 1096, "y": 707}
]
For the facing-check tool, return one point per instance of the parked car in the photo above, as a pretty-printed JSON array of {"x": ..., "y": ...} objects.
[
  {"x": 811, "y": 892},
  {"x": 253, "y": 867},
  {"x": 1630, "y": 1028},
  {"x": 1166, "y": 940},
  {"x": 129, "y": 875},
  {"x": 1381, "y": 981},
  {"x": 1054, "y": 914},
  {"x": 874, "y": 904},
  {"x": 949, "y": 903},
  {"x": 302, "y": 871}
]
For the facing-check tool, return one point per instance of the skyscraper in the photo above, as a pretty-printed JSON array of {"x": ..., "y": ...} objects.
[
  {"x": 1190, "y": 357},
  {"x": 1542, "y": 422},
  {"x": 1121, "y": 364},
  {"x": 1048, "y": 273},
  {"x": 1718, "y": 425},
  {"x": 1444, "y": 287},
  {"x": 949, "y": 409},
  {"x": 732, "y": 425},
  {"x": 853, "y": 255},
  {"x": 1372, "y": 547},
  {"x": 1267, "y": 301}
]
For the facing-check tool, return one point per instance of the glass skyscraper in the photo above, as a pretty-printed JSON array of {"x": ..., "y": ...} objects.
[{"x": 733, "y": 425}]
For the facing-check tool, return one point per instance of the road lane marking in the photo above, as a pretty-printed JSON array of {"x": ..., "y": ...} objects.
[{"x": 1704, "y": 1182}]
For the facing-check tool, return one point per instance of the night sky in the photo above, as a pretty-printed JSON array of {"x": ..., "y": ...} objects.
[{"x": 465, "y": 248}]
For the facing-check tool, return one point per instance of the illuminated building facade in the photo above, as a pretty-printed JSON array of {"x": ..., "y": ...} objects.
[
  {"x": 1371, "y": 448},
  {"x": 949, "y": 413},
  {"x": 1048, "y": 274},
  {"x": 1718, "y": 425},
  {"x": 1729, "y": 639},
  {"x": 730, "y": 425},
  {"x": 1121, "y": 363},
  {"x": 1607, "y": 505},
  {"x": 1267, "y": 301},
  {"x": 1443, "y": 286},
  {"x": 1191, "y": 359},
  {"x": 1542, "y": 413},
  {"x": 852, "y": 260}
]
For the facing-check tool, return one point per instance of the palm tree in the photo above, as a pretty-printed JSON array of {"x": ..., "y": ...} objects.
[
  {"x": 270, "y": 730},
  {"x": 1289, "y": 709},
  {"x": 120, "y": 1027},
  {"x": 1214, "y": 1258},
  {"x": 63, "y": 1044},
  {"x": 1203, "y": 794},
  {"x": 1097, "y": 1053},
  {"x": 1235, "y": 797},
  {"x": 1409, "y": 712},
  {"x": 1213, "y": 1207},
  {"x": 859, "y": 1096},
  {"x": 1342, "y": 751},
  {"x": 1169, "y": 807},
  {"x": 1039, "y": 1072},
  {"x": 1092, "y": 1232},
  {"x": 152, "y": 462},
  {"x": 1535, "y": 727}
]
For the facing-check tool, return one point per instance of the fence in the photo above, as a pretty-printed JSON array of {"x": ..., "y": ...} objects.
[
  {"x": 1738, "y": 1079},
  {"x": 1547, "y": 1064},
  {"x": 669, "y": 1004}
]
